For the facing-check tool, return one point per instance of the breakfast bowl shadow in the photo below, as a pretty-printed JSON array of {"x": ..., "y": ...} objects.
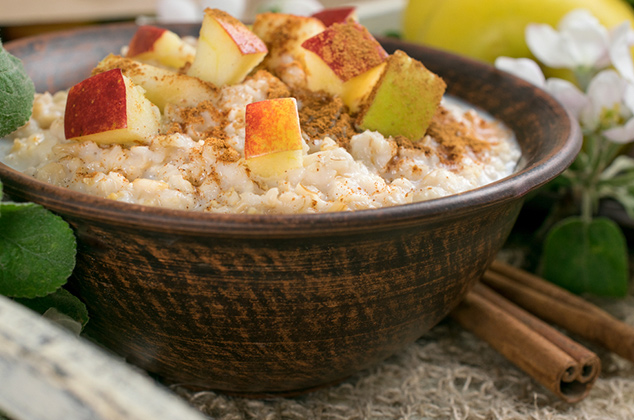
[{"x": 274, "y": 304}]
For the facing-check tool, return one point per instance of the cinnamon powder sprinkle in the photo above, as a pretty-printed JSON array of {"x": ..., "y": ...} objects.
[
  {"x": 321, "y": 115},
  {"x": 284, "y": 35},
  {"x": 348, "y": 48},
  {"x": 454, "y": 137},
  {"x": 216, "y": 137},
  {"x": 276, "y": 88}
]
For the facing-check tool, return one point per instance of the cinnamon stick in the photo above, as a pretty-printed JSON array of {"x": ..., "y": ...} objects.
[
  {"x": 558, "y": 306},
  {"x": 563, "y": 366}
]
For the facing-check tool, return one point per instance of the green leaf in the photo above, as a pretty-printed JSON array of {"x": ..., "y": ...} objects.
[
  {"x": 60, "y": 306},
  {"x": 37, "y": 250},
  {"x": 587, "y": 257},
  {"x": 17, "y": 92}
]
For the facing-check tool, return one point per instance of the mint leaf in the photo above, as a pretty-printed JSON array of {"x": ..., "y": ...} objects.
[
  {"x": 17, "y": 92},
  {"x": 59, "y": 305},
  {"x": 37, "y": 250},
  {"x": 587, "y": 257}
]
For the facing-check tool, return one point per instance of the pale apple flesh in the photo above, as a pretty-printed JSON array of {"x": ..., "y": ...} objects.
[
  {"x": 160, "y": 45},
  {"x": 227, "y": 50},
  {"x": 344, "y": 60},
  {"x": 404, "y": 100},
  {"x": 337, "y": 15},
  {"x": 108, "y": 108},
  {"x": 273, "y": 137},
  {"x": 161, "y": 86}
]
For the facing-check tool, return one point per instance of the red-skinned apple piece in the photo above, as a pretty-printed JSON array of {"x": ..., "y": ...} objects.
[
  {"x": 227, "y": 50},
  {"x": 151, "y": 43},
  {"x": 162, "y": 86},
  {"x": 344, "y": 60},
  {"x": 337, "y": 15},
  {"x": 109, "y": 108},
  {"x": 273, "y": 138}
]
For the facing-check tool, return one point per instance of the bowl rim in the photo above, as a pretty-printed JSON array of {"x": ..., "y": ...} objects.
[{"x": 75, "y": 204}]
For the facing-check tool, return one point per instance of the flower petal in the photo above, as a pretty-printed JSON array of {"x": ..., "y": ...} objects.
[
  {"x": 572, "y": 98},
  {"x": 628, "y": 97},
  {"x": 587, "y": 39},
  {"x": 605, "y": 91},
  {"x": 547, "y": 45},
  {"x": 524, "y": 68},
  {"x": 622, "y": 39},
  {"x": 621, "y": 134},
  {"x": 580, "y": 42}
]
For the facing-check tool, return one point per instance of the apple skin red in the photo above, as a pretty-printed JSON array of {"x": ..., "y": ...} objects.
[
  {"x": 271, "y": 126},
  {"x": 144, "y": 39},
  {"x": 246, "y": 41},
  {"x": 339, "y": 46},
  {"x": 336, "y": 15},
  {"x": 96, "y": 104}
]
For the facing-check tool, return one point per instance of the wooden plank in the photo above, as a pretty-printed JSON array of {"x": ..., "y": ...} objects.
[{"x": 50, "y": 374}]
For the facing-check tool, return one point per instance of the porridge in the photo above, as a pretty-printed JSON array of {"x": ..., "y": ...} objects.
[{"x": 197, "y": 157}]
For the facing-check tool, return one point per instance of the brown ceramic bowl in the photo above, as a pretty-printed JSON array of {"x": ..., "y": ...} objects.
[{"x": 270, "y": 304}]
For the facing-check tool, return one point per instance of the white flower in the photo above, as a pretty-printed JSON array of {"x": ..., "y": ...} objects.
[
  {"x": 622, "y": 40},
  {"x": 610, "y": 108},
  {"x": 565, "y": 92},
  {"x": 524, "y": 68},
  {"x": 571, "y": 97},
  {"x": 580, "y": 42}
]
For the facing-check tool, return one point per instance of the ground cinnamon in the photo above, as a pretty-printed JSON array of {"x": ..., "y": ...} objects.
[
  {"x": 335, "y": 44},
  {"x": 321, "y": 115},
  {"x": 454, "y": 137}
]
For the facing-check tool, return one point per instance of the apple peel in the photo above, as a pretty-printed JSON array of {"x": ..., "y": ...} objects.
[
  {"x": 344, "y": 60},
  {"x": 404, "y": 100},
  {"x": 108, "y": 108},
  {"x": 227, "y": 50},
  {"x": 334, "y": 15},
  {"x": 164, "y": 46},
  {"x": 273, "y": 138}
]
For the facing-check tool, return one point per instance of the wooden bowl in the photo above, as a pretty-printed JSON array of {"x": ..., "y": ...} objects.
[{"x": 286, "y": 303}]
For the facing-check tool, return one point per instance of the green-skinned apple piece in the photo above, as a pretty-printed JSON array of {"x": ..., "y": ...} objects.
[{"x": 404, "y": 100}]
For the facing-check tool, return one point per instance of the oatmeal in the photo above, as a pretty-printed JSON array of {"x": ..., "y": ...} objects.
[{"x": 196, "y": 161}]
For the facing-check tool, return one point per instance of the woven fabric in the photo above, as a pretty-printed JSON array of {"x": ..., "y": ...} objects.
[{"x": 446, "y": 374}]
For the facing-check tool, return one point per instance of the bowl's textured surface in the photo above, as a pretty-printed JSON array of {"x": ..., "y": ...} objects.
[{"x": 259, "y": 304}]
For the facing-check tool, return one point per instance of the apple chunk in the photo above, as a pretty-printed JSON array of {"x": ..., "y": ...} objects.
[
  {"x": 344, "y": 60},
  {"x": 337, "y": 15},
  {"x": 162, "y": 86},
  {"x": 108, "y": 108},
  {"x": 161, "y": 45},
  {"x": 273, "y": 137},
  {"x": 227, "y": 50},
  {"x": 404, "y": 100}
]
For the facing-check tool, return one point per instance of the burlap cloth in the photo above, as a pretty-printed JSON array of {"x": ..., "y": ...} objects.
[{"x": 447, "y": 374}]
